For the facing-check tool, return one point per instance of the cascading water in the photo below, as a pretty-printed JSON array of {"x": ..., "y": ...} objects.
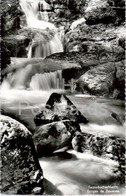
[
  {"x": 32, "y": 13},
  {"x": 31, "y": 77},
  {"x": 47, "y": 81},
  {"x": 44, "y": 42}
]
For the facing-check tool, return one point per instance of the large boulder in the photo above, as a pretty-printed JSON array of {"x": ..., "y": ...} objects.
[
  {"x": 53, "y": 136},
  {"x": 20, "y": 169},
  {"x": 62, "y": 105},
  {"x": 104, "y": 80},
  {"x": 99, "y": 80}
]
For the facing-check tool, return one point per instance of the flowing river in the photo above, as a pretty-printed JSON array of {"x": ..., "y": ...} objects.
[{"x": 69, "y": 172}]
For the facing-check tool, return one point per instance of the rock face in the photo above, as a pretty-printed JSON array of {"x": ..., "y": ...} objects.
[
  {"x": 10, "y": 16},
  {"x": 17, "y": 45},
  {"x": 120, "y": 80},
  {"x": 64, "y": 11},
  {"x": 20, "y": 170},
  {"x": 53, "y": 136},
  {"x": 107, "y": 147},
  {"x": 13, "y": 46}
]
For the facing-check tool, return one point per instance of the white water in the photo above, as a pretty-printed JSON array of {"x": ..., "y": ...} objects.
[
  {"x": 30, "y": 8},
  {"x": 30, "y": 79},
  {"x": 46, "y": 43},
  {"x": 77, "y": 173},
  {"x": 47, "y": 81},
  {"x": 70, "y": 173}
]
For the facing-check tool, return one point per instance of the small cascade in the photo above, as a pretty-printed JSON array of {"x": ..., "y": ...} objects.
[
  {"x": 26, "y": 78},
  {"x": 47, "y": 41},
  {"x": 47, "y": 81},
  {"x": 18, "y": 80},
  {"x": 35, "y": 17}
]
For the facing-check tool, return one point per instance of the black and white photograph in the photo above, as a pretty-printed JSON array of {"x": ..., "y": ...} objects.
[{"x": 62, "y": 97}]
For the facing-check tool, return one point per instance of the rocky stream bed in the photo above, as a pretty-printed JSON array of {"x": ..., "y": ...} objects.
[{"x": 62, "y": 97}]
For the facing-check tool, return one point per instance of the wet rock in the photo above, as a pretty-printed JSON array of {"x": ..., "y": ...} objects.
[
  {"x": 47, "y": 116},
  {"x": 98, "y": 81},
  {"x": 20, "y": 170},
  {"x": 90, "y": 55},
  {"x": 38, "y": 65},
  {"x": 53, "y": 136},
  {"x": 62, "y": 105},
  {"x": 111, "y": 147},
  {"x": 104, "y": 80}
]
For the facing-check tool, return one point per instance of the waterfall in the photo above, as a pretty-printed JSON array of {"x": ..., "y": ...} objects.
[
  {"x": 47, "y": 81},
  {"x": 47, "y": 41},
  {"x": 32, "y": 12},
  {"x": 29, "y": 78}
]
